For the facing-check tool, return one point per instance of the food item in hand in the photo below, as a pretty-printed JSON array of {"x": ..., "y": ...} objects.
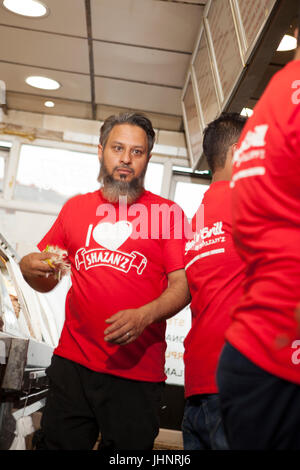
[{"x": 60, "y": 263}]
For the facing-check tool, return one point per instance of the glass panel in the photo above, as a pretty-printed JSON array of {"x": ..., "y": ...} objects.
[
  {"x": 193, "y": 131},
  {"x": 226, "y": 45},
  {"x": 154, "y": 177},
  {"x": 54, "y": 175},
  {"x": 254, "y": 14},
  {"x": 205, "y": 82},
  {"x": 189, "y": 196}
]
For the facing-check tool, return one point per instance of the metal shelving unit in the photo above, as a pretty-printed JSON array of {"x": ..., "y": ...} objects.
[{"x": 23, "y": 382}]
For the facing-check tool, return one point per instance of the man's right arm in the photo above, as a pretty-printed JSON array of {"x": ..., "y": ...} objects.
[{"x": 37, "y": 273}]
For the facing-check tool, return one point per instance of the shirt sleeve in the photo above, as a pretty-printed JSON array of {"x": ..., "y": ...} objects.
[
  {"x": 56, "y": 234},
  {"x": 174, "y": 241}
]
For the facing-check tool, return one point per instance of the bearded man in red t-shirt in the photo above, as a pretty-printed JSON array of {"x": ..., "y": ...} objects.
[
  {"x": 125, "y": 248},
  {"x": 259, "y": 369},
  {"x": 215, "y": 274}
]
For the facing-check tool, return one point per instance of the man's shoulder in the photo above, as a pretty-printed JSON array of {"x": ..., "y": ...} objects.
[
  {"x": 216, "y": 203},
  {"x": 82, "y": 198},
  {"x": 217, "y": 194},
  {"x": 152, "y": 198},
  {"x": 282, "y": 85}
]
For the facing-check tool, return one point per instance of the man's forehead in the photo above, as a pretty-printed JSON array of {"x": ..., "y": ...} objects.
[{"x": 128, "y": 133}]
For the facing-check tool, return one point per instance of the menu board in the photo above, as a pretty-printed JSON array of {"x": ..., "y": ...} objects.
[
  {"x": 221, "y": 27},
  {"x": 192, "y": 123},
  {"x": 253, "y": 16},
  {"x": 205, "y": 81}
]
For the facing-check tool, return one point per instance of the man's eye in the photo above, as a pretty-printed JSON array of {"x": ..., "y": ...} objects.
[
  {"x": 117, "y": 148},
  {"x": 137, "y": 152}
]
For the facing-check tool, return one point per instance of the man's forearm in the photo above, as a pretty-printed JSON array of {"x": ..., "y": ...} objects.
[
  {"x": 170, "y": 302},
  {"x": 126, "y": 325},
  {"x": 41, "y": 284}
]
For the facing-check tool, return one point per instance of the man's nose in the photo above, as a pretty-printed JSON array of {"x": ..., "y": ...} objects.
[{"x": 126, "y": 156}]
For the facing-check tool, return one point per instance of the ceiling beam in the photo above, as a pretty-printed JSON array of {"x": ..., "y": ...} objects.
[
  {"x": 185, "y": 2},
  {"x": 104, "y": 41},
  {"x": 142, "y": 46},
  {"x": 91, "y": 56},
  {"x": 110, "y": 77}
]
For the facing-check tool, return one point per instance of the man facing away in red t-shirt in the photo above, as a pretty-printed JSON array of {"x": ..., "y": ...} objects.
[
  {"x": 125, "y": 248},
  {"x": 259, "y": 369},
  {"x": 215, "y": 274}
]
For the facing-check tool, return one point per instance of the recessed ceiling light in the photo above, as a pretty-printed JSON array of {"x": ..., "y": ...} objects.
[
  {"x": 31, "y": 8},
  {"x": 288, "y": 43},
  {"x": 49, "y": 104},
  {"x": 42, "y": 82},
  {"x": 247, "y": 112}
]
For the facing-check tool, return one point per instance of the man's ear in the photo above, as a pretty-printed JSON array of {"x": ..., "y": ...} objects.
[
  {"x": 296, "y": 33},
  {"x": 149, "y": 157},
  {"x": 100, "y": 152},
  {"x": 233, "y": 148}
]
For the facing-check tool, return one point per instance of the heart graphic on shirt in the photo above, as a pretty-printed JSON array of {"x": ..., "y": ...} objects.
[{"x": 112, "y": 236}]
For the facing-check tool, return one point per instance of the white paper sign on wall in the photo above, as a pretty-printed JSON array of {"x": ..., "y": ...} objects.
[{"x": 176, "y": 332}]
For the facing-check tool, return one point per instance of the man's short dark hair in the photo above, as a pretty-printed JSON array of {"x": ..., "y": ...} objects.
[
  {"x": 135, "y": 119},
  {"x": 219, "y": 135}
]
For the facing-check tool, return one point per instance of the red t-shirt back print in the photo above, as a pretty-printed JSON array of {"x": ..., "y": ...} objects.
[{"x": 266, "y": 222}]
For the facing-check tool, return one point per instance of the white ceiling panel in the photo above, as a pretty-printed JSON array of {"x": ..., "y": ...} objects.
[
  {"x": 139, "y": 64},
  {"x": 164, "y": 25},
  {"x": 138, "y": 96},
  {"x": 74, "y": 86},
  {"x": 57, "y": 21},
  {"x": 44, "y": 50}
]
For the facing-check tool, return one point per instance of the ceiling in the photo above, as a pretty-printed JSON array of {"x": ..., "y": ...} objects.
[
  {"x": 266, "y": 60},
  {"x": 275, "y": 63},
  {"x": 115, "y": 55},
  {"x": 108, "y": 55}
]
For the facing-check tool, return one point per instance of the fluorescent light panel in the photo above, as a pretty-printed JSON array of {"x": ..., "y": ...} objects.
[
  {"x": 5, "y": 143},
  {"x": 247, "y": 112},
  {"x": 288, "y": 43}
]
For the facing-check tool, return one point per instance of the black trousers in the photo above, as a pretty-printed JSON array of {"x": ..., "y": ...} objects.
[
  {"x": 260, "y": 411},
  {"x": 81, "y": 402}
]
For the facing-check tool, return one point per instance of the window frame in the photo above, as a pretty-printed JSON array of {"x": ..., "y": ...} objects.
[
  {"x": 7, "y": 200},
  {"x": 187, "y": 178}
]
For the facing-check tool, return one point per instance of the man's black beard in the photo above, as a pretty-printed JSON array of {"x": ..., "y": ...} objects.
[{"x": 113, "y": 190}]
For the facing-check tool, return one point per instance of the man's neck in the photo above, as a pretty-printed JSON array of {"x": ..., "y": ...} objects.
[
  {"x": 297, "y": 54},
  {"x": 220, "y": 176},
  {"x": 116, "y": 197}
]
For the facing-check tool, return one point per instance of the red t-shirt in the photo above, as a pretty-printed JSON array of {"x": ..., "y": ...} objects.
[
  {"x": 266, "y": 210},
  {"x": 215, "y": 274},
  {"x": 120, "y": 258}
]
